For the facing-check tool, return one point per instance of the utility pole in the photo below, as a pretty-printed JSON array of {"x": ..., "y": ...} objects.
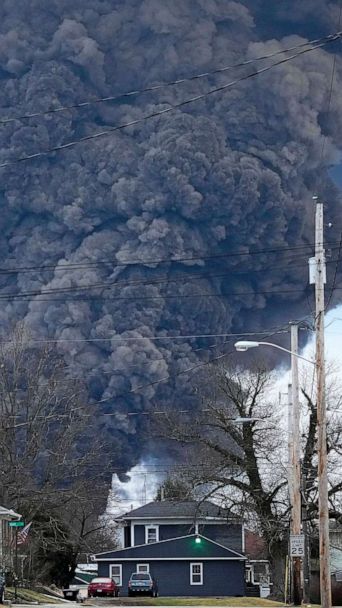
[
  {"x": 323, "y": 503},
  {"x": 296, "y": 482},
  {"x": 306, "y": 560},
  {"x": 290, "y": 446}
]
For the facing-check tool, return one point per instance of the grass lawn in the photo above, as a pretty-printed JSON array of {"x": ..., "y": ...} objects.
[
  {"x": 27, "y": 595},
  {"x": 209, "y": 601}
]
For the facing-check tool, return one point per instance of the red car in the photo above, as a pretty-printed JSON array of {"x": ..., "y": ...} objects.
[{"x": 103, "y": 586}]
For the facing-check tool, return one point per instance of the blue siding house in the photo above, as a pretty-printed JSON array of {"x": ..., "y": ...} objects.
[{"x": 190, "y": 548}]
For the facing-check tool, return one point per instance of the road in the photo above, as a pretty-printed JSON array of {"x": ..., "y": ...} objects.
[
  {"x": 125, "y": 604},
  {"x": 109, "y": 602}
]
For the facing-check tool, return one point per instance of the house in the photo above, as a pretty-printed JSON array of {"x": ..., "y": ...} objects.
[
  {"x": 190, "y": 548},
  {"x": 7, "y": 537},
  {"x": 335, "y": 534},
  {"x": 258, "y": 576}
]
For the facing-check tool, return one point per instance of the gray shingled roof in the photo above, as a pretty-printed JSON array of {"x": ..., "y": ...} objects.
[{"x": 188, "y": 509}]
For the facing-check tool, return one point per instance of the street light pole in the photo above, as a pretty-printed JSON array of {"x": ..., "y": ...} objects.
[
  {"x": 323, "y": 502},
  {"x": 295, "y": 462},
  {"x": 294, "y": 478}
]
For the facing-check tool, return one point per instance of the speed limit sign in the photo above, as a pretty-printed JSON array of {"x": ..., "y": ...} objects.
[{"x": 297, "y": 545}]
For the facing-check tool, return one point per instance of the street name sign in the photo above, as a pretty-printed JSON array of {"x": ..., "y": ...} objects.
[
  {"x": 17, "y": 524},
  {"x": 297, "y": 545}
]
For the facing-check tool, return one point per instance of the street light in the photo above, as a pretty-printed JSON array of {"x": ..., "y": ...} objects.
[
  {"x": 244, "y": 345},
  {"x": 294, "y": 445}
]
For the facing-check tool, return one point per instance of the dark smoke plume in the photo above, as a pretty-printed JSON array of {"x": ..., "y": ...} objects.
[{"x": 233, "y": 173}]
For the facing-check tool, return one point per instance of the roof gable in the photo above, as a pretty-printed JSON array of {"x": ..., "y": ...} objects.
[
  {"x": 183, "y": 547},
  {"x": 170, "y": 509}
]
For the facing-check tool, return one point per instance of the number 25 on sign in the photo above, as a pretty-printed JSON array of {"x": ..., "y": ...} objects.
[{"x": 297, "y": 545}]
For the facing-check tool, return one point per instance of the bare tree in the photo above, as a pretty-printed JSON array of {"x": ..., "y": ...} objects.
[
  {"x": 52, "y": 467},
  {"x": 245, "y": 466}
]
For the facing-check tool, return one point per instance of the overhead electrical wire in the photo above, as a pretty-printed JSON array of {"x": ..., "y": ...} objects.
[
  {"x": 152, "y": 338},
  {"x": 330, "y": 95},
  {"x": 333, "y": 286},
  {"x": 154, "y": 261},
  {"x": 183, "y": 278},
  {"x": 176, "y": 374},
  {"x": 134, "y": 283},
  {"x": 142, "y": 363},
  {"x": 157, "y": 87},
  {"x": 179, "y": 373},
  {"x": 140, "y": 298},
  {"x": 170, "y": 108},
  {"x": 177, "y": 278},
  {"x": 164, "y": 279}
]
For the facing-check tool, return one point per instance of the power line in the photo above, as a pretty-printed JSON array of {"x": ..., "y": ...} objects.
[
  {"x": 135, "y": 366},
  {"x": 142, "y": 363},
  {"x": 165, "y": 279},
  {"x": 179, "y": 373},
  {"x": 14, "y": 298},
  {"x": 178, "y": 278},
  {"x": 152, "y": 338},
  {"x": 331, "y": 88},
  {"x": 94, "y": 265},
  {"x": 147, "y": 261},
  {"x": 146, "y": 282},
  {"x": 170, "y": 108},
  {"x": 333, "y": 287},
  {"x": 153, "y": 88}
]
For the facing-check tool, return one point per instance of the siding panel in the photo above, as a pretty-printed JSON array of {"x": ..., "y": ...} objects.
[{"x": 219, "y": 578}]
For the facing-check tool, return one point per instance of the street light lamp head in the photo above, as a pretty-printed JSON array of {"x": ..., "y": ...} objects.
[
  {"x": 244, "y": 345},
  {"x": 245, "y": 420}
]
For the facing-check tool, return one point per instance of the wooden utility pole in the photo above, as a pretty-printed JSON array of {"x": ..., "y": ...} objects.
[
  {"x": 306, "y": 560},
  {"x": 296, "y": 483},
  {"x": 323, "y": 503},
  {"x": 290, "y": 446}
]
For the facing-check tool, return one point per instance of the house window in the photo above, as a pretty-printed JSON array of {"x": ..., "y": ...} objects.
[
  {"x": 151, "y": 534},
  {"x": 249, "y": 574},
  {"x": 260, "y": 573},
  {"x": 143, "y": 568},
  {"x": 196, "y": 573},
  {"x": 115, "y": 572}
]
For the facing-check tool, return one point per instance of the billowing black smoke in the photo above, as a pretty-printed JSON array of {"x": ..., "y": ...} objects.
[{"x": 233, "y": 173}]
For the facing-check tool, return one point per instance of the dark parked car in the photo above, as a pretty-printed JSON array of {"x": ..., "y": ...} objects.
[
  {"x": 141, "y": 583},
  {"x": 103, "y": 586}
]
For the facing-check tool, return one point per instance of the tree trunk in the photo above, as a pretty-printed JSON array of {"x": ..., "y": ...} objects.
[{"x": 277, "y": 559}]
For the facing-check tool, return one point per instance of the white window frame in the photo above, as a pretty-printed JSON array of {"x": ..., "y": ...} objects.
[
  {"x": 249, "y": 574},
  {"x": 192, "y": 573},
  {"x": 151, "y": 527},
  {"x": 145, "y": 570},
  {"x": 120, "y": 572}
]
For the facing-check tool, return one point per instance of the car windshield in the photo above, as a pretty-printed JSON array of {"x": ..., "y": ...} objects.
[
  {"x": 101, "y": 580},
  {"x": 140, "y": 577}
]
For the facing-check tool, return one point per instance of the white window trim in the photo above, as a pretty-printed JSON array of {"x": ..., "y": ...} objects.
[
  {"x": 200, "y": 564},
  {"x": 111, "y": 566},
  {"x": 147, "y": 566},
  {"x": 151, "y": 527}
]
